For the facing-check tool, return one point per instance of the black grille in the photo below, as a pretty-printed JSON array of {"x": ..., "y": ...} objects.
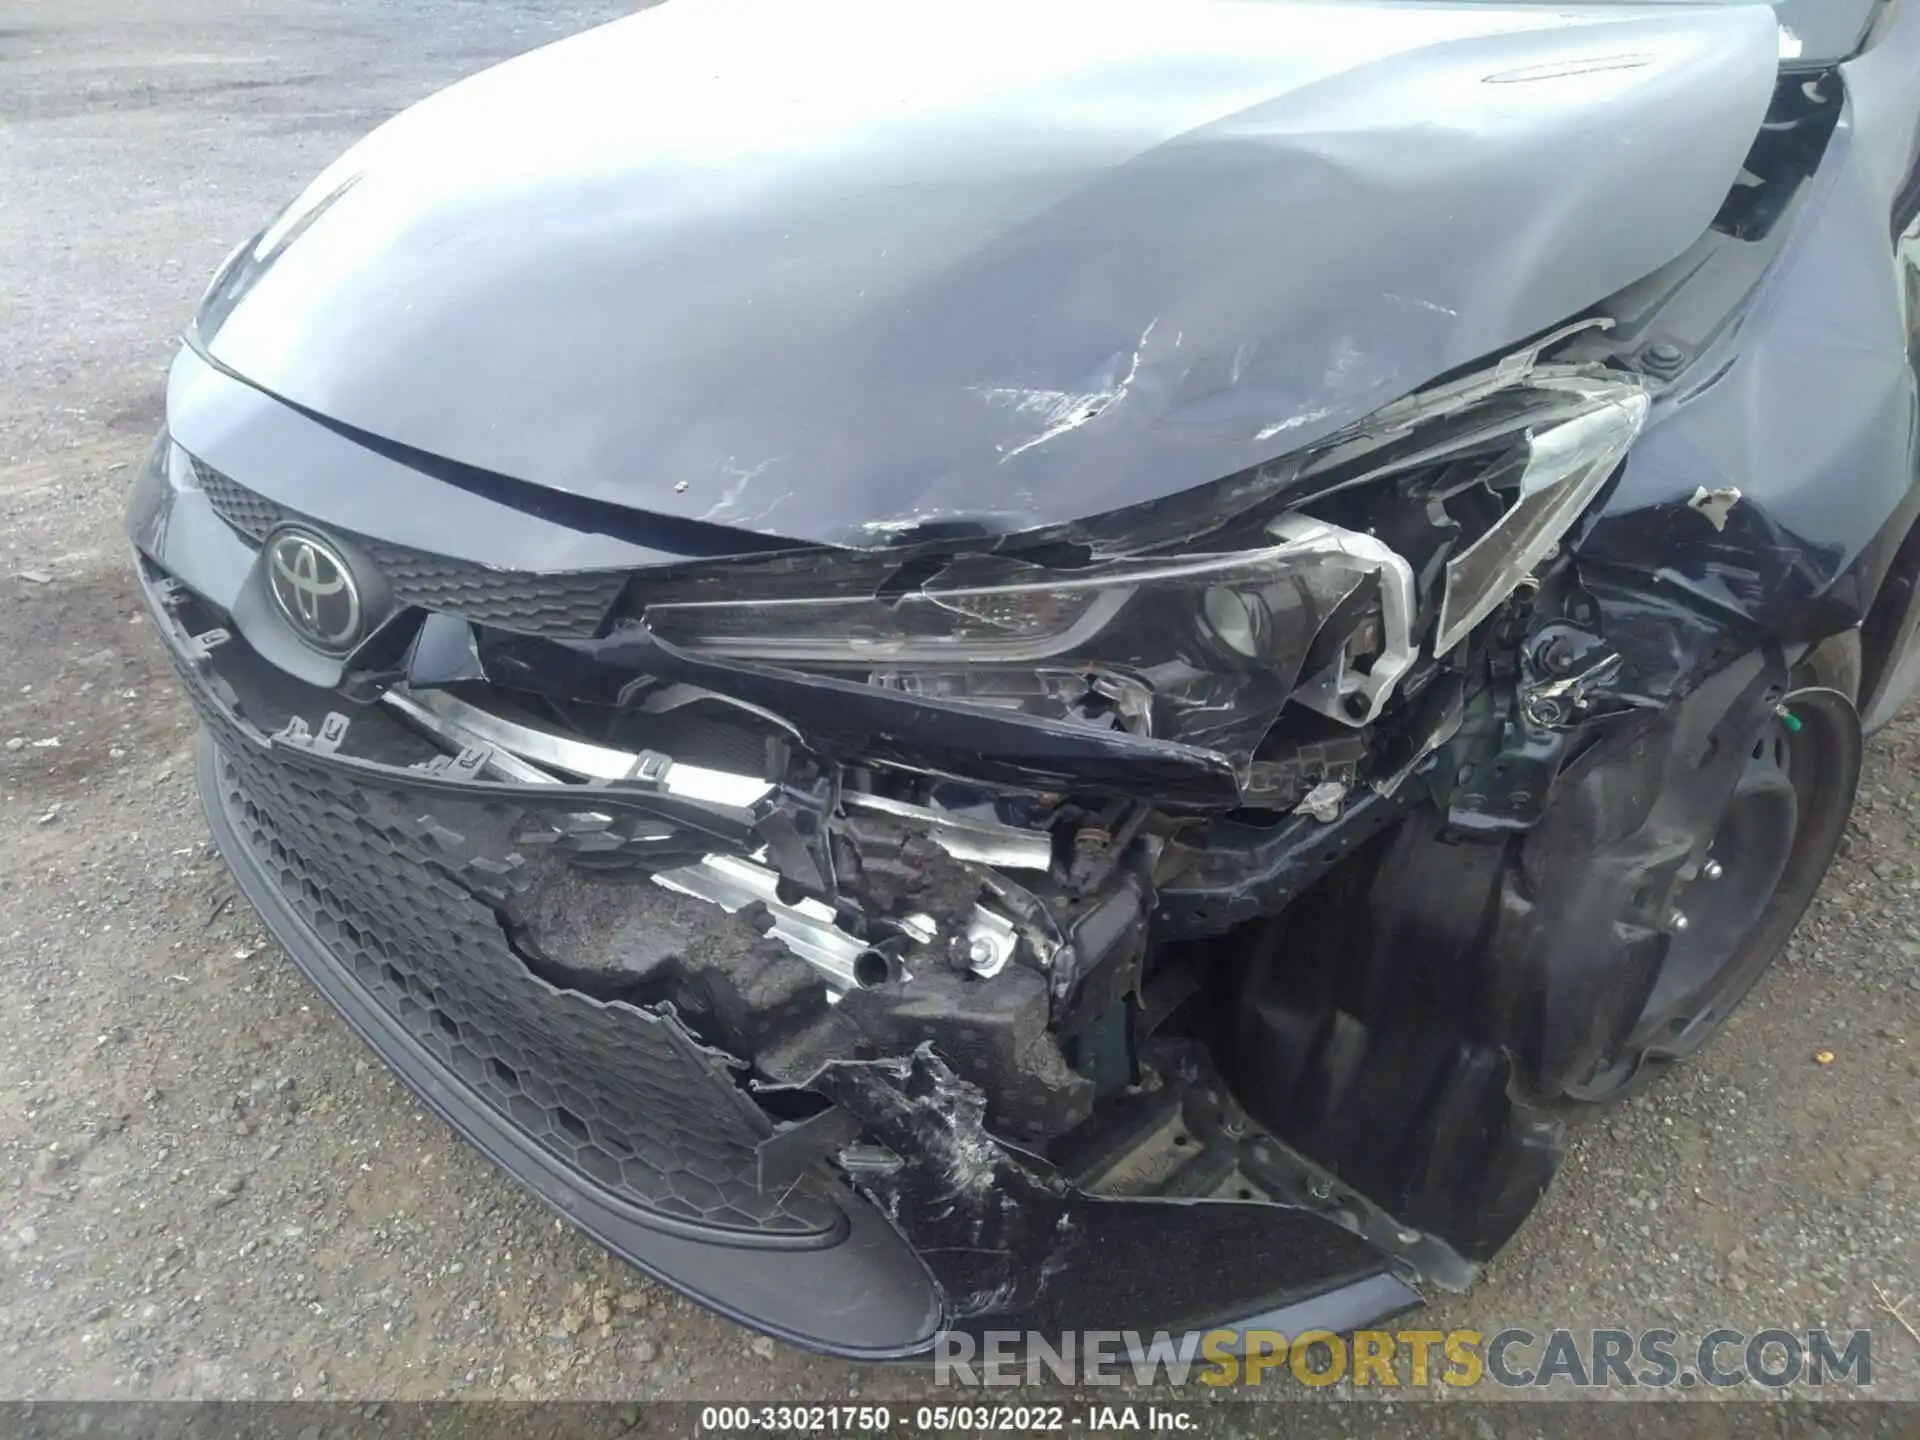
[
  {"x": 556, "y": 605},
  {"x": 408, "y": 904},
  {"x": 530, "y": 604},
  {"x": 252, "y": 515}
]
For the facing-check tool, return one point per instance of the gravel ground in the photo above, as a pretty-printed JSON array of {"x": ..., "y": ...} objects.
[{"x": 207, "y": 1187}]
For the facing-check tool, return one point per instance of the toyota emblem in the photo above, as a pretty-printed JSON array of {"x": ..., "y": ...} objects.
[{"x": 314, "y": 590}]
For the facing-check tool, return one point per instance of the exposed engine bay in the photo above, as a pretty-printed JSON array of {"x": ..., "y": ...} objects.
[{"x": 1299, "y": 935}]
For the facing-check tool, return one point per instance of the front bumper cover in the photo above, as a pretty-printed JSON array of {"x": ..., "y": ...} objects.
[
  {"x": 395, "y": 885},
  {"x": 885, "y": 1304}
]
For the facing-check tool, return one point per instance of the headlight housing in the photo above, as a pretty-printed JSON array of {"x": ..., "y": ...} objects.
[
  {"x": 1258, "y": 594},
  {"x": 1202, "y": 648}
]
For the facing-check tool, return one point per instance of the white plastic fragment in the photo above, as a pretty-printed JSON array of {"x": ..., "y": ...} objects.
[{"x": 1715, "y": 504}]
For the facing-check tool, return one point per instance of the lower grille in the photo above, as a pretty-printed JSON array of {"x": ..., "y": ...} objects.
[
  {"x": 562, "y": 606},
  {"x": 408, "y": 904}
]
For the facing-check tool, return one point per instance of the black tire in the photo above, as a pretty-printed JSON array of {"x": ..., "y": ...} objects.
[{"x": 1784, "y": 827}]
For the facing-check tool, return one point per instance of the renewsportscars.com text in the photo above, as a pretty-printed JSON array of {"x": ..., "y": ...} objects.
[{"x": 1411, "y": 1359}]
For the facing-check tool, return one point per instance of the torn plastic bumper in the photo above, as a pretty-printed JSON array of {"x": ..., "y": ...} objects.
[
  {"x": 1149, "y": 899},
  {"x": 971, "y": 1205},
  {"x": 882, "y": 1302},
  {"x": 407, "y": 883}
]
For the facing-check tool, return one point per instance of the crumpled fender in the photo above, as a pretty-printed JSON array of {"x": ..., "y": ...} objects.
[
  {"x": 1775, "y": 480},
  {"x": 854, "y": 271}
]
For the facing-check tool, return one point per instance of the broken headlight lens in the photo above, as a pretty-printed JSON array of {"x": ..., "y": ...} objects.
[
  {"x": 1205, "y": 647},
  {"x": 1199, "y": 648},
  {"x": 1554, "y": 471}
]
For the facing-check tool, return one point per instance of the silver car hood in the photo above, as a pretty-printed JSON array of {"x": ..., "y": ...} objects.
[{"x": 853, "y": 270}]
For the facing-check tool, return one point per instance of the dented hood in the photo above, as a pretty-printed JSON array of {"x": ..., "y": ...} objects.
[{"x": 841, "y": 271}]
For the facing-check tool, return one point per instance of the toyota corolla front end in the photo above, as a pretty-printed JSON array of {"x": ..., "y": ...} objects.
[{"x": 1073, "y": 668}]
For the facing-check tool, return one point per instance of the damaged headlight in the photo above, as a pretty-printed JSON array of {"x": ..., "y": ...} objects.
[
  {"x": 1276, "y": 586},
  {"x": 1199, "y": 648},
  {"x": 1552, "y": 470}
]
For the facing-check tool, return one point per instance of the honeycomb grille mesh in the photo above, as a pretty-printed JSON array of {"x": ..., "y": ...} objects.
[
  {"x": 555, "y": 605},
  {"x": 559, "y": 605},
  {"x": 252, "y": 515},
  {"x": 405, "y": 904}
]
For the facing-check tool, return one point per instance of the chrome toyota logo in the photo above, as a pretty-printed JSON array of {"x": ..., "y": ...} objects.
[{"x": 314, "y": 590}]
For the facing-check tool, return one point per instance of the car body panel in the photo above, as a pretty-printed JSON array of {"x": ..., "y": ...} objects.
[
  {"x": 1820, "y": 32},
  {"x": 799, "y": 289},
  {"x": 1881, "y": 85},
  {"x": 990, "y": 1238},
  {"x": 711, "y": 282},
  {"x": 1806, "y": 411},
  {"x": 324, "y": 470}
]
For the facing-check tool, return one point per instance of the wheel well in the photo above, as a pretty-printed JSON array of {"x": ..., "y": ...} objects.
[
  {"x": 1836, "y": 663},
  {"x": 1887, "y": 620}
]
